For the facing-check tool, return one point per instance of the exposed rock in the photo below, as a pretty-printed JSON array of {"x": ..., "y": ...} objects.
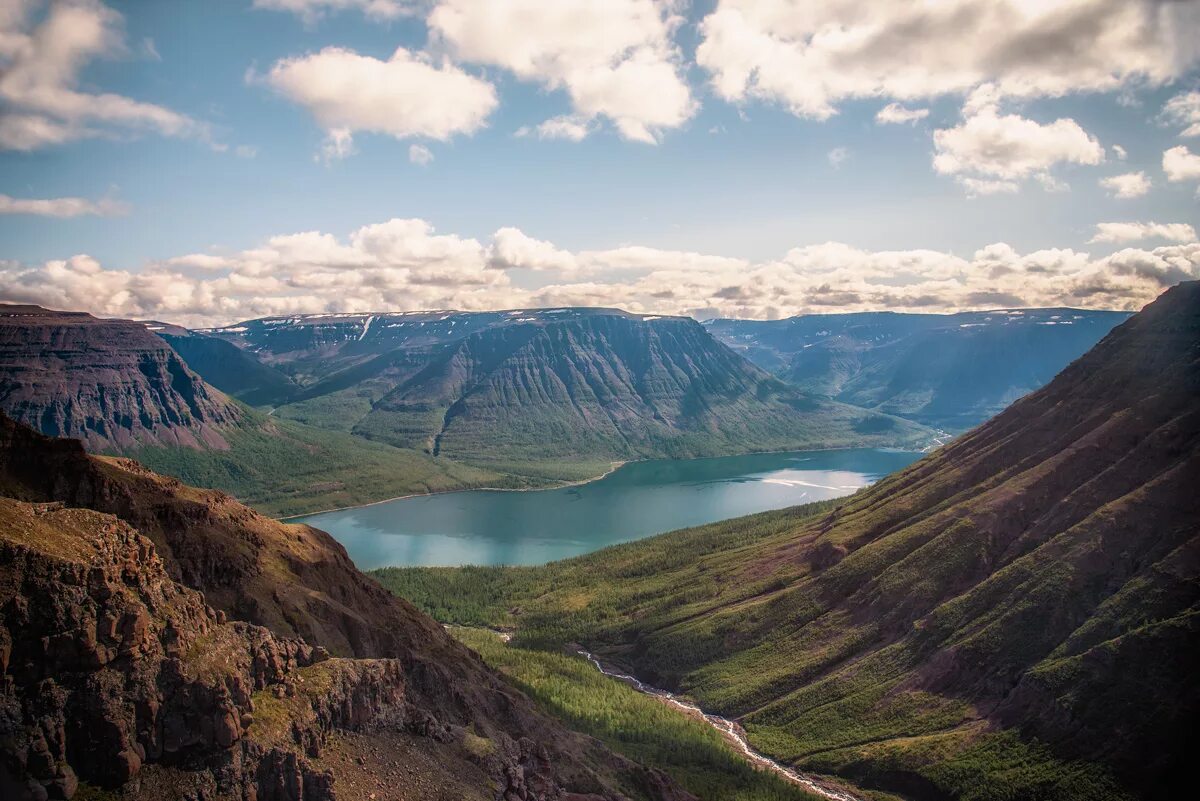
[{"x": 111, "y": 383}]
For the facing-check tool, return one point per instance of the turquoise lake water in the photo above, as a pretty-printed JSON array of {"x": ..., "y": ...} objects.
[{"x": 489, "y": 527}]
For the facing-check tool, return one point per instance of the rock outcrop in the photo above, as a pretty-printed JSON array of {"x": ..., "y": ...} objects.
[
  {"x": 111, "y": 383},
  {"x": 133, "y": 659}
]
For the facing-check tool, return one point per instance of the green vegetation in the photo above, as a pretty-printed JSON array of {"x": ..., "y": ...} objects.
[
  {"x": 636, "y": 725},
  {"x": 284, "y": 468},
  {"x": 742, "y": 615}
]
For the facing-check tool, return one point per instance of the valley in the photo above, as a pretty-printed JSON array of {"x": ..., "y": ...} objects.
[{"x": 975, "y": 626}]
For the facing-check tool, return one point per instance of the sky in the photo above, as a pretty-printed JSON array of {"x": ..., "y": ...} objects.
[{"x": 209, "y": 162}]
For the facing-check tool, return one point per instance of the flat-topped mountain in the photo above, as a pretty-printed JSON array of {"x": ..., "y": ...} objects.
[
  {"x": 952, "y": 371},
  {"x": 111, "y": 383},
  {"x": 1013, "y": 616},
  {"x": 167, "y": 642},
  {"x": 549, "y": 384}
]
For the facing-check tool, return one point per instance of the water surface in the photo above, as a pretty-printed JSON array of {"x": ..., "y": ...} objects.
[{"x": 491, "y": 527}]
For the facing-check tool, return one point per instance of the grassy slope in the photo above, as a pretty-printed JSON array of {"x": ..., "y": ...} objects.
[
  {"x": 685, "y": 599},
  {"x": 631, "y": 723},
  {"x": 285, "y": 468}
]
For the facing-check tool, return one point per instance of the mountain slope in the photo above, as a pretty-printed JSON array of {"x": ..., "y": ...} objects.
[
  {"x": 121, "y": 388},
  {"x": 951, "y": 371},
  {"x": 226, "y": 366},
  {"x": 1013, "y": 617},
  {"x": 608, "y": 386},
  {"x": 109, "y": 382},
  {"x": 104, "y": 629}
]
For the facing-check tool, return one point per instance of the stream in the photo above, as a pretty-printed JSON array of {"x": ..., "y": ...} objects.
[{"x": 730, "y": 730}]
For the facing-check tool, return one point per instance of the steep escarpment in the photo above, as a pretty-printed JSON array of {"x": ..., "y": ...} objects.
[
  {"x": 231, "y": 693},
  {"x": 609, "y": 386},
  {"x": 110, "y": 383},
  {"x": 1014, "y": 616}
]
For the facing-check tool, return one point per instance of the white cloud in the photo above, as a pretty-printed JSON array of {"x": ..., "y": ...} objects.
[
  {"x": 1009, "y": 147},
  {"x": 40, "y": 67},
  {"x": 1137, "y": 231},
  {"x": 1180, "y": 164},
  {"x": 809, "y": 57},
  {"x": 1184, "y": 109},
  {"x": 405, "y": 96},
  {"x": 404, "y": 264},
  {"x": 420, "y": 155},
  {"x": 571, "y": 128},
  {"x": 62, "y": 207},
  {"x": 896, "y": 114},
  {"x": 1127, "y": 185},
  {"x": 1119, "y": 153},
  {"x": 614, "y": 58},
  {"x": 986, "y": 186},
  {"x": 313, "y": 10},
  {"x": 837, "y": 157}
]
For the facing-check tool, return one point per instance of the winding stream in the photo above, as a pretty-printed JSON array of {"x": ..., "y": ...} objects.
[{"x": 730, "y": 730}]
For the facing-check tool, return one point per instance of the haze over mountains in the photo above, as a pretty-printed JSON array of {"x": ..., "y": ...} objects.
[
  {"x": 1014, "y": 616},
  {"x": 951, "y": 371}
]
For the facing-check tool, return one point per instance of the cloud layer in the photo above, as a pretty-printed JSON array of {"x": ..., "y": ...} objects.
[
  {"x": 404, "y": 264},
  {"x": 62, "y": 207},
  {"x": 41, "y": 58}
]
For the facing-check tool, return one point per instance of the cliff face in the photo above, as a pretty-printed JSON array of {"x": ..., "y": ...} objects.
[
  {"x": 608, "y": 386},
  {"x": 110, "y": 383},
  {"x": 119, "y": 672}
]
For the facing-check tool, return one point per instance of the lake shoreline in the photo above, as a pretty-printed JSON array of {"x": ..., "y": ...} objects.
[{"x": 617, "y": 465}]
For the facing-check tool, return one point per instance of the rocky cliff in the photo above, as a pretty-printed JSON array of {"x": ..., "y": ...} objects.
[
  {"x": 168, "y": 643},
  {"x": 110, "y": 383}
]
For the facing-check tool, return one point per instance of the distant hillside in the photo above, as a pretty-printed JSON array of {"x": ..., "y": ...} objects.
[
  {"x": 1015, "y": 616},
  {"x": 227, "y": 367},
  {"x": 950, "y": 371},
  {"x": 110, "y": 383},
  {"x": 563, "y": 385},
  {"x": 123, "y": 390}
]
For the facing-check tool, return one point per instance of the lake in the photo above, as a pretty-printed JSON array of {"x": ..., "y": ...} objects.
[{"x": 493, "y": 527}]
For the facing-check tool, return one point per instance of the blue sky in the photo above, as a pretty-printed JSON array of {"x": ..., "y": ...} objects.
[{"x": 696, "y": 189}]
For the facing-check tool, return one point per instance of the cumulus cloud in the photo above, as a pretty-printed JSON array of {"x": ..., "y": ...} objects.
[
  {"x": 1136, "y": 231},
  {"x": 1008, "y": 147},
  {"x": 809, "y": 57},
  {"x": 404, "y": 264},
  {"x": 62, "y": 207},
  {"x": 406, "y": 96},
  {"x": 1180, "y": 164},
  {"x": 1184, "y": 109},
  {"x": 1127, "y": 185},
  {"x": 313, "y": 10},
  {"x": 615, "y": 59},
  {"x": 896, "y": 114},
  {"x": 420, "y": 155},
  {"x": 41, "y": 59},
  {"x": 1119, "y": 153}
]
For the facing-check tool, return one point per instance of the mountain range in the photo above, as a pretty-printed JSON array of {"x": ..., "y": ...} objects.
[
  {"x": 950, "y": 371},
  {"x": 1015, "y": 616},
  {"x": 365, "y": 407}
]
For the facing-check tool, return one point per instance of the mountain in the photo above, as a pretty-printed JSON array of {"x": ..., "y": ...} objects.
[
  {"x": 545, "y": 385},
  {"x": 1015, "y": 616},
  {"x": 226, "y": 366},
  {"x": 111, "y": 383},
  {"x": 170, "y": 643},
  {"x": 950, "y": 371},
  {"x": 121, "y": 388}
]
